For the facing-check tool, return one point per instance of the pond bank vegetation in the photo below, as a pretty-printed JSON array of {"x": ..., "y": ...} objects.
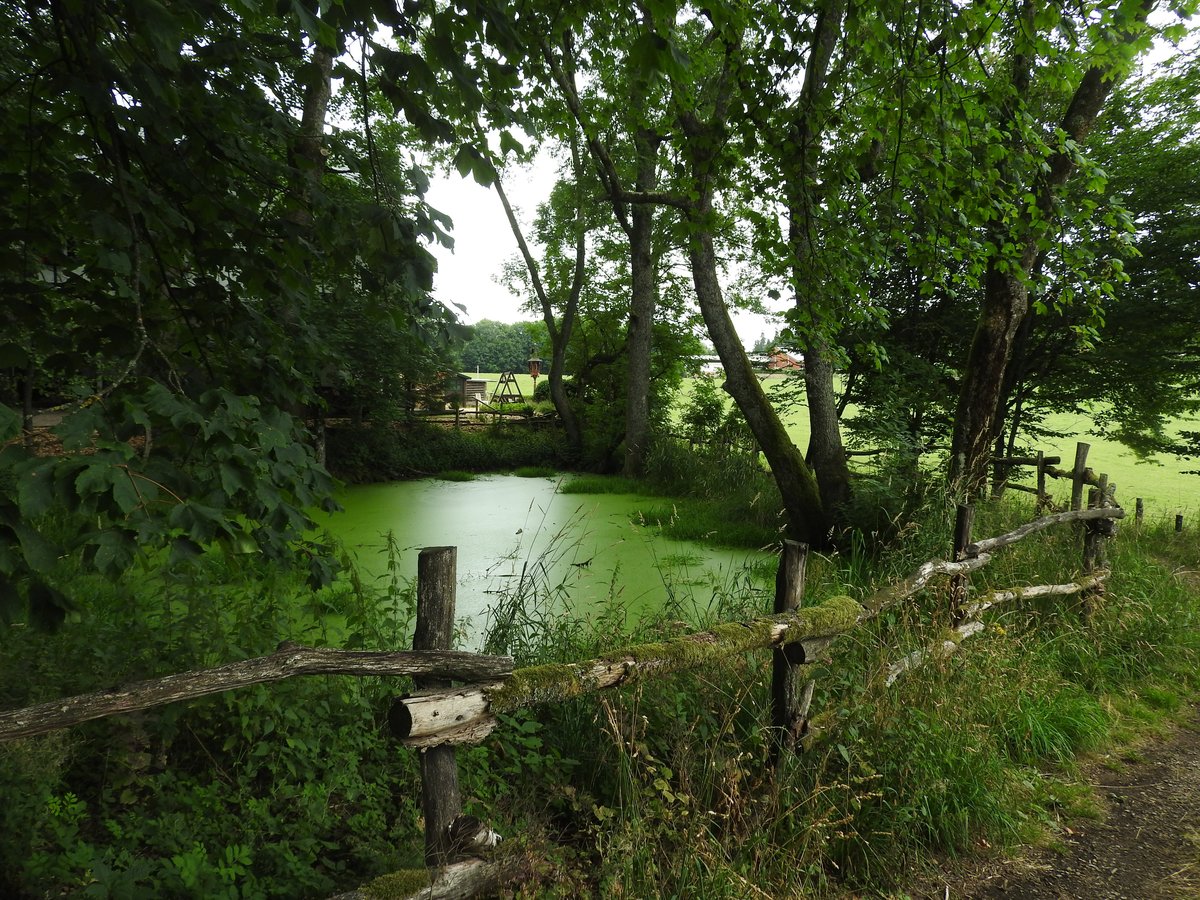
[{"x": 663, "y": 788}]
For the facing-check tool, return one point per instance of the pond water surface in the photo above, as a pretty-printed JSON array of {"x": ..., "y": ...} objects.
[{"x": 520, "y": 532}]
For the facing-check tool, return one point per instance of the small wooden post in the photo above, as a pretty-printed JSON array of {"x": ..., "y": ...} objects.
[
  {"x": 964, "y": 519},
  {"x": 789, "y": 702},
  {"x": 1139, "y": 512},
  {"x": 1077, "y": 474},
  {"x": 1179, "y": 523},
  {"x": 1042, "y": 499},
  {"x": 440, "y": 798},
  {"x": 1091, "y": 542},
  {"x": 1105, "y": 527}
]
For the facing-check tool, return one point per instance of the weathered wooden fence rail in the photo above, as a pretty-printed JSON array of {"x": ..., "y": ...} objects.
[{"x": 441, "y": 714}]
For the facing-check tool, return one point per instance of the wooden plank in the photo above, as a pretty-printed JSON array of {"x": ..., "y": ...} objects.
[
  {"x": 1078, "y": 474},
  {"x": 892, "y": 594},
  {"x": 964, "y": 518},
  {"x": 1074, "y": 515},
  {"x": 955, "y": 636},
  {"x": 1031, "y": 460},
  {"x": 1025, "y": 489}
]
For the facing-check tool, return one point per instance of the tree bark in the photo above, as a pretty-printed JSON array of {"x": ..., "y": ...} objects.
[
  {"x": 642, "y": 303},
  {"x": 288, "y": 661},
  {"x": 441, "y": 800},
  {"x": 466, "y": 714},
  {"x": 1006, "y": 291},
  {"x": 826, "y": 453},
  {"x": 797, "y": 485},
  {"x": 560, "y": 332}
]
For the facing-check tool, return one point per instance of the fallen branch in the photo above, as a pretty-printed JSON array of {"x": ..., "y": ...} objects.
[
  {"x": 988, "y": 600},
  {"x": 937, "y": 650},
  {"x": 1075, "y": 515},
  {"x": 466, "y": 715},
  {"x": 288, "y": 661}
]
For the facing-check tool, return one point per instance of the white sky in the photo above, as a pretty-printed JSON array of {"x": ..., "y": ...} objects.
[
  {"x": 483, "y": 241},
  {"x": 469, "y": 273}
]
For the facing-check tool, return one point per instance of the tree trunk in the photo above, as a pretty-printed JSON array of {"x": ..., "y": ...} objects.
[
  {"x": 642, "y": 303},
  {"x": 308, "y": 151},
  {"x": 797, "y": 486},
  {"x": 1005, "y": 302},
  {"x": 1006, "y": 294},
  {"x": 560, "y": 333},
  {"x": 826, "y": 454}
]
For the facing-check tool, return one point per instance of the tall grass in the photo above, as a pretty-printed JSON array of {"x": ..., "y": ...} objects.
[{"x": 666, "y": 788}]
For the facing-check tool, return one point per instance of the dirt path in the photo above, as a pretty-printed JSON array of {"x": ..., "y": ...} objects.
[{"x": 1147, "y": 847}]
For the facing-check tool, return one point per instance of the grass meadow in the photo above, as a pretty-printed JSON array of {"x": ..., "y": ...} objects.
[{"x": 1160, "y": 481}]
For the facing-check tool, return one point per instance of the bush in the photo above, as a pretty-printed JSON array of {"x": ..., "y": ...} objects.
[
  {"x": 277, "y": 790},
  {"x": 367, "y": 455}
]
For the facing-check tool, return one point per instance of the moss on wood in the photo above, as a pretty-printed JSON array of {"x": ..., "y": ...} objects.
[
  {"x": 565, "y": 681},
  {"x": 397, "y": 885}
]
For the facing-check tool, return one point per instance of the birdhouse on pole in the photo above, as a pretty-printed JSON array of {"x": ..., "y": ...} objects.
[{"x": 535, "y": 367}]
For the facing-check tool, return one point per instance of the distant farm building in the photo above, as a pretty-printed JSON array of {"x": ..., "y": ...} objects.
[
  {"x": 779, "y": 360},
  {"x": 469, "y": 391}
]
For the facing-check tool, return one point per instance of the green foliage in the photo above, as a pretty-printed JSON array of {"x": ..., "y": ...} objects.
[
  {"x": 361, "y": 455},
  {"x": 535, "y": 472},
  {"x": 198, "y": 286},
  {"x": 455, "y": 475},
  {"x": 271, "y": 791},
  {"x": 501, "y": 347},
  {"x": 666, "y": 788}
]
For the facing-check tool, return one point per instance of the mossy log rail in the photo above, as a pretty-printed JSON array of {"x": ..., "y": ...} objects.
[
  {"x": 1074, "y": 515},
  {"x": 467, "y": 714},
  {"x": 289, "y": 661}
]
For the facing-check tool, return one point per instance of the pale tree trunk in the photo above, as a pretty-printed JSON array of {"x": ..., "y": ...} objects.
[
  {"x": 308, "y": 151},
  {"x": 797, "y": 486},
  {"x": 643, "y": 300},
  {"x": 638, "y": 225},
  {"x": 826, "y": 453},
  {"x": 1006, "y": 294},
  {"x": 560, "y": 332}
]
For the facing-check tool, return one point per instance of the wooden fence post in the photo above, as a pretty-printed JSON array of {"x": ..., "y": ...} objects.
[
  {"x": 1105, "y": 527},
  {"x": 964, "y": 519},
  {"x": 441, "y": 802},
  {"x": 1042, "y": 499},
  {"x": 1091, "y": 550},
  {"x": 789, "y": 701},
  {"x": 1077, "y": 474},
  {"x": 1139, "y": 512}
]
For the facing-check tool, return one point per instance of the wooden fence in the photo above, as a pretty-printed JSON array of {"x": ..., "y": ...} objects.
[{"x": 459, "y": 696}]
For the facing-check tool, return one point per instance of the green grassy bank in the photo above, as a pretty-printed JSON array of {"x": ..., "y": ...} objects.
[{"x": 664, "y": 789}]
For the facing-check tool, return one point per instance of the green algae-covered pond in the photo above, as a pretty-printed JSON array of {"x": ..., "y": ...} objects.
[{"x": 578, "y": 554}]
